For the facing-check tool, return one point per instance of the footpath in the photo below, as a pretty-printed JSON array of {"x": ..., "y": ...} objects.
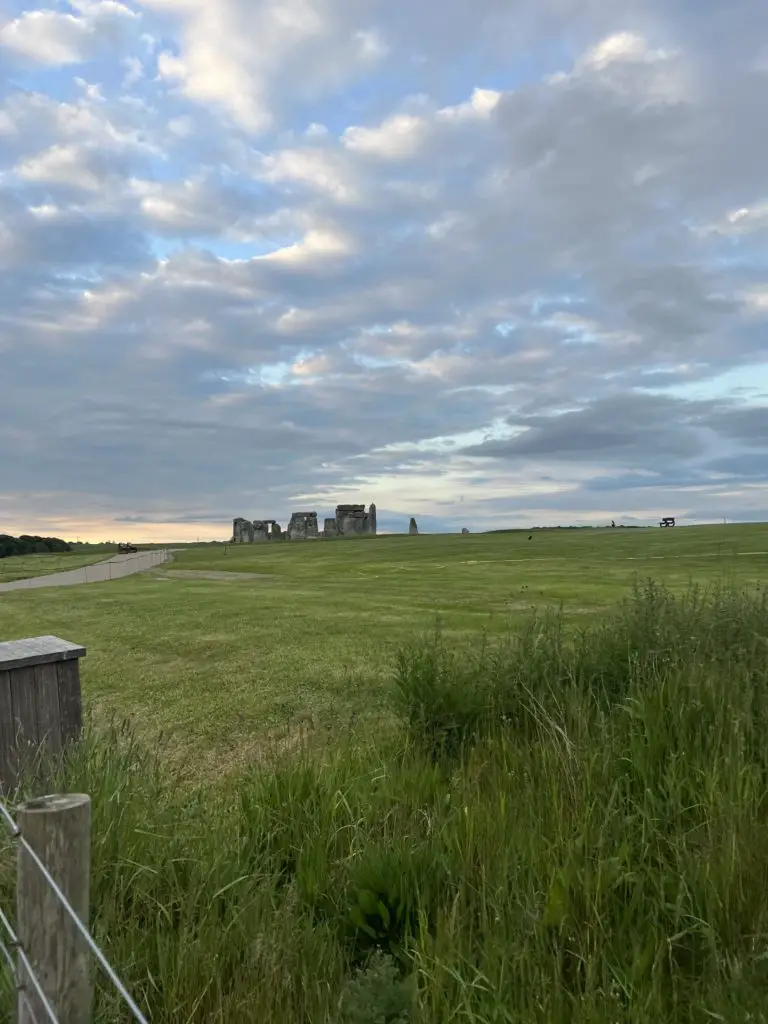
[{"x": 99, "y": 572}]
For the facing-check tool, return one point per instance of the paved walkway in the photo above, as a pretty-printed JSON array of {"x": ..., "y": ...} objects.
[{"x": 100, "y": 572}]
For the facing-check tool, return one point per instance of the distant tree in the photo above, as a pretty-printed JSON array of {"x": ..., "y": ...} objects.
[{"x": 28, "y": 545}]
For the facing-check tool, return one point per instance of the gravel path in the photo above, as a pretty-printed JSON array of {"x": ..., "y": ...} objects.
[{"x": 100, "y": 572}]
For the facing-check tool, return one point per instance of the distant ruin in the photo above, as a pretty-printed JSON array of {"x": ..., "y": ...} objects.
[
  {"x": 303, "y": 526},
  {"x": 246, "y": 532},
  {"x": 349, "y": 521},
  {"x": 353, "y": 519},
  {"x": 413, "y": 529}
]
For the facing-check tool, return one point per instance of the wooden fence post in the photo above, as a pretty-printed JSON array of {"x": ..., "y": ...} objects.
[
  {"x": 40, "y": 703},
  {"x": 58, "y": 828}
]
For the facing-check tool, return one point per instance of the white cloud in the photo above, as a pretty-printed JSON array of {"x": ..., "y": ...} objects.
[
  {"x": 50, "y": 37},
  {"x": 234, "y": 55},
  {"x": 623, "y": 46},
  {"x": 481, "y": 104},
  {"x": 316, "y": 245},
  {"x": 397, "y": 137},
  {"x": 320, "y": 169},
  {"x": 64, "y": 165}
]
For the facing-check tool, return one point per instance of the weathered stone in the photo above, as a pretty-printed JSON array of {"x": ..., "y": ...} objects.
[
  {"x": 303, "y": 526},
  {"x": 242, "y": 531},
  {"x": 267, "y": 529},
  {"x": 246, "y": 532},
  {"x": 350, "y": 520},
  {"x": 413, "y": 529},
  {"x": 260, "y": 530},
  {"x": 354, "y": 520}
]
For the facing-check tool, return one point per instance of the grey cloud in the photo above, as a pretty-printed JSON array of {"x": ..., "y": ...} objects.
[
  {"x": 70, "y": 238},
  {"x": 747, "y": 425},
  {"x": 746, "y": 466},
  {"x": 643, "y": 429},
  {"x": 589, "y": 197}
]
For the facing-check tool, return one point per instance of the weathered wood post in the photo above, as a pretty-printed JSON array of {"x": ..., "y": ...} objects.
[
  {"x": 40, "y": 703},
  {"x": 58, "y": 828}
]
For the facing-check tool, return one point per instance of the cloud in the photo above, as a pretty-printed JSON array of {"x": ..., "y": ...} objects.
[
  {"x": 62, "y": 165},
  {"x": 398, "y": 136},
  {"x": 483, "y": 264},
  {"x": 633, "y": 429},
  {"x": 234, "y": 54},
  {"x": 50, "y": 37}
]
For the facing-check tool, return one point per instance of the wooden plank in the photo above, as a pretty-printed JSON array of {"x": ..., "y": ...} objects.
[
  {"x": 58, "y": 828},
  {"x": 37, "y": 650},
  {"x": 70, "y": 701},
  {"x": 8, "y": 754},
  {"x": 48, "y": 717},
  {"x": 24, "y": 716}
]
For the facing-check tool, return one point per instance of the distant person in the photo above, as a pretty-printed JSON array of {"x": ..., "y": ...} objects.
[{"x": 613, "y": 524}]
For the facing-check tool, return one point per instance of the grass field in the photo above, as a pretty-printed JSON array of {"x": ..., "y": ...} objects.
[
  {"x": 523, "y": 818},
  {"x": 219, "y": 667},
  {"x": 22, "y": 567}
]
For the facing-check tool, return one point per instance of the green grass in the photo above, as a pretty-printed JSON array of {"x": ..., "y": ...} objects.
[
  {"x": 567, "y": 822},
  {"x": 22, "y": 567},
  {"x": 225, "y": 668}
]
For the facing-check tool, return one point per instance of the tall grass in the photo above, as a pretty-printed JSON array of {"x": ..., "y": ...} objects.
[{"x": 572, "y": 826}]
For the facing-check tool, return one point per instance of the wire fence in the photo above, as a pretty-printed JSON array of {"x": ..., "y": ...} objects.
[
  {"x": 10, "y": 944},
  {"x": 19, "y": 984},
  {"x": 98, "y": 572}
]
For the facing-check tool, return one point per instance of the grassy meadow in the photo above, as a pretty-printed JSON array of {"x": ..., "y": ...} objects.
[
  {"x": 222, "y": 667},
  {"x": 22, "y": 567},
  {"x": 420, "y": 780}
]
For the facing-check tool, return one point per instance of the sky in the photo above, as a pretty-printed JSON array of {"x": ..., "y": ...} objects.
[{"x": 490, "y": 264}]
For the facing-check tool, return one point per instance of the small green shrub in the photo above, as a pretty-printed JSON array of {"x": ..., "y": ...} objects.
[
  {"x": 393, "y": 893},
  {"x": 378, "y": 994}
]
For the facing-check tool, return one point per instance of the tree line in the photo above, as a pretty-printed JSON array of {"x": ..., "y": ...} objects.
[{"x": 27, "y": 545}]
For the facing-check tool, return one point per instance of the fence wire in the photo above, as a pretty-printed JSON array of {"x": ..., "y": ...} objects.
[
  {"x": 29, "y": 970},
  {"x": 17, "y": 983},
  {"x": 15, "y": 944}
]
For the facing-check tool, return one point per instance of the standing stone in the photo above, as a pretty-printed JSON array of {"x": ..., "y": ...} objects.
[
  {"x": 242, "y": 531},
  {"x": 350, "y": 519},
  {"x": 297, "y": 528},
  {"x": 329, "y": 529},
  {"x": 260, "y": 530},
  {"x": 353, "y": 520},
  {"x": 303, "y": 526},
  {"x": 413, "y": 530},
  {"x": 464, "y": 531}
]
